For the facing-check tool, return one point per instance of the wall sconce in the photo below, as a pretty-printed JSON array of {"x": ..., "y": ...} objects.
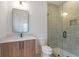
[{"x": 21, "y": 5}]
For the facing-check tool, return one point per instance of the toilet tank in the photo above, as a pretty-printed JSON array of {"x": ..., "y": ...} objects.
[{"x": 42, "y": 42}]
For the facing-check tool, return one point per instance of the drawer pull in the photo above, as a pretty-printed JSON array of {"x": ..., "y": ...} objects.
[{"x": 21, "y": 45}]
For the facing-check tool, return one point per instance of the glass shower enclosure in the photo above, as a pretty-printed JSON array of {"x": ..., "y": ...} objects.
[{"x": 63, "y": 27}]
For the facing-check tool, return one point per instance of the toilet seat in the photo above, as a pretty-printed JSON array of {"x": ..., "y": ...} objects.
[{"x": 47, "y": 50}]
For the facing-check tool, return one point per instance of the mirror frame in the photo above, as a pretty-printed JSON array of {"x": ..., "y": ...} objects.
[{"x": 13, "y": 30}]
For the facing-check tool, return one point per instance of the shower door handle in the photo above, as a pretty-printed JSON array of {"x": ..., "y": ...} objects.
[{"x": 65, "y": 34}]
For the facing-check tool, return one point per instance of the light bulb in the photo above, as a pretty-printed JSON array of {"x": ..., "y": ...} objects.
[{"x": 65, "y": 14}]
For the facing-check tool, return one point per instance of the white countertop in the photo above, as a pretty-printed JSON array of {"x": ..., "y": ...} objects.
[{"x": 15, "y": 38}]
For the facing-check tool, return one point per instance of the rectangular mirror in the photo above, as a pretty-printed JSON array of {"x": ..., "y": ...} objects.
[{"x": 20, "y": 20}]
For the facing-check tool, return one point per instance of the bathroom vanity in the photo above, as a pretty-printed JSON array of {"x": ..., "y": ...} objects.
[{"x": 18, "y": 47}]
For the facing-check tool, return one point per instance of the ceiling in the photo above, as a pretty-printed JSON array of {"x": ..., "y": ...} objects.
[{"x": 56, "y": 2}]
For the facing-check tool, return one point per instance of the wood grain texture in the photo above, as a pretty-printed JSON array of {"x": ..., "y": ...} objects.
[
  {"x": 29, "y": 48},
  {"x": 0, "y": 50},
  {"x": 9, "y": 49},
  {"x": 18, "y": 49}
]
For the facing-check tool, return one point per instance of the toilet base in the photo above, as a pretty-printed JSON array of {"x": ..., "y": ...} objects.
[{"x": 46, "y": 51}]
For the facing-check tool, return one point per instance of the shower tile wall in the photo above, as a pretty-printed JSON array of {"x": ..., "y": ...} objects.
[
  {"x": 58, "y": 23},
  {"x": 54, "y": 26},
  {"x": 71, "y": 43}
]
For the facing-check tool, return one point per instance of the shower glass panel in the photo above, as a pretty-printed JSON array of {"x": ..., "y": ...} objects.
[
  {"x": 63, "y": 27},
  {"x": 55, "y": 25},
  {"x": 71, "y": 26}
]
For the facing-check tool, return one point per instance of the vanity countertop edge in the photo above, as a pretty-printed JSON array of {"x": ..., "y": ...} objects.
[{"x": 15, "y": 39}]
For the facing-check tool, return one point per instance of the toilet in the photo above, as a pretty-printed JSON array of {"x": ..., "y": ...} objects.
[{"x": 46, "y": 51}]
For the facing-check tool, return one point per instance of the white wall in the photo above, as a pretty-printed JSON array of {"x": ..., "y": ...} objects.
[
  {"x": 3, "y": 19},
  {"x": 37, "y": 18}
]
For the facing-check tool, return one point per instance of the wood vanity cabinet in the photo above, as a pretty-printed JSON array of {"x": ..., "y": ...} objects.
[
  {"x": 29, "y": 48},
  {"x": 0, "y": 50},
  {"x": 9, "y": 49},
  {"x": 18, "y": 49}
]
